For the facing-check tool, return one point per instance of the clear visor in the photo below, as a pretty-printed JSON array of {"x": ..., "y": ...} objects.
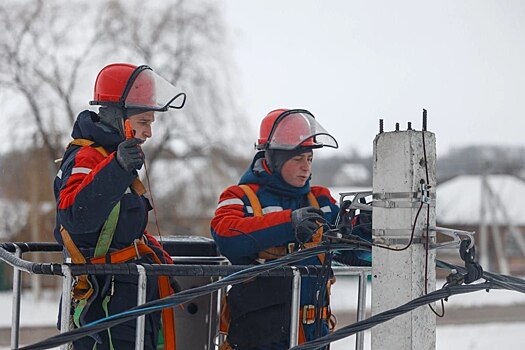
[
  {"x": 299, "y": 129},
  {"x": 150, "y": 91}
]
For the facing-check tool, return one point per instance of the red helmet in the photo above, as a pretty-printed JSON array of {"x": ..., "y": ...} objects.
[
  {"x": 288, "y": 129},
  {"x": 130, "y": 86},
  {"x": 111, "y": 83}
]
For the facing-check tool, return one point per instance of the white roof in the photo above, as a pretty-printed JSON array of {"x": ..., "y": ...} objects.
[
  {"x": 459, "y": 200},
  {"x": 351, "y": 173}
]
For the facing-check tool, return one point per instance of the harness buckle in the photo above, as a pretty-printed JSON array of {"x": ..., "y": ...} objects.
[
  {"x": 135, "y": 242},
  {"x": 306, "y": 310}
]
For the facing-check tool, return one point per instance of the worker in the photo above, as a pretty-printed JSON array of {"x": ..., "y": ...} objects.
[
  {"x": 272, "y": 212},
  {"x": 102, "y": 210}
]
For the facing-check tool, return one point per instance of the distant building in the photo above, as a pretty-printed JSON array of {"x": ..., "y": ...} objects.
[
  {"x": 492, "y": 206},
  {"x": 352, "y": 174}
]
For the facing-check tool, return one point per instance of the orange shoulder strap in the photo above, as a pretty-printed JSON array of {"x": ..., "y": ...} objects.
[
  {"x": 86, "y": 142},
  {"x": 313, "y": 201},
  {"x": 254, "y": 200},
  {"x": 256, "y": 204}
]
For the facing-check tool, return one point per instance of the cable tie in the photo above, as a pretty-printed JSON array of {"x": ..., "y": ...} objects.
[{"x": 489, "y": 287}]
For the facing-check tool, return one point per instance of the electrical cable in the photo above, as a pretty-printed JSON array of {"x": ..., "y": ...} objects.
[
  {"x": 497, "y": 282},
  {"x": 177, "y": 299},
  {"x": 493, "y": 281},
  {"x": 389, "y": 314}
]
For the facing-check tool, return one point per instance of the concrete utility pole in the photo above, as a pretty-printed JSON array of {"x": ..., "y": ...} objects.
[{"x": 399, "y": 276}]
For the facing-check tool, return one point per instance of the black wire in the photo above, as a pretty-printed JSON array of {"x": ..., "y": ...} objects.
[
  {"x": 411, "y": 235},
  {"x": 320, "y": 290},
  {"x": 261, "y": 249},
  {"x": 389, "y": 314},
  {"x": 179, "y": 298},
  {"x": 497, "y": 281}
]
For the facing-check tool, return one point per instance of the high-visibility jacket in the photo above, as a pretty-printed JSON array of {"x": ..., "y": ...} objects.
[
  {"x": 87, "y": 188},
  {"x": 241, "y": 236}
]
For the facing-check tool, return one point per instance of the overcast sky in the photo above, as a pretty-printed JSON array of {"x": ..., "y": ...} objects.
[{"x": 353, "y": 62}]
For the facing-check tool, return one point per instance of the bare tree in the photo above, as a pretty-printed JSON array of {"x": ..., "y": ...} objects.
[
  {"x": 42, "y": 61},
  {"x": 52, "y": 50},
  {"x": 205, "y": 138}
]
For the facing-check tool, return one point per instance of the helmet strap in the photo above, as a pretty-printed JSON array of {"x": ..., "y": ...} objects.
[
  {"x": 113, "y": 117},
  {"x": 131, "y": 80}
]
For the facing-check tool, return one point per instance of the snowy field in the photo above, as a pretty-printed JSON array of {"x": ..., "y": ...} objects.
[{"x": 344, "y": 295}]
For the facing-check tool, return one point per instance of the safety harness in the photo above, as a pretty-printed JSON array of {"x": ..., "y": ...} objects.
[
  {"x": 308, "y": 313},
  {"x": 83, "y": 289}
]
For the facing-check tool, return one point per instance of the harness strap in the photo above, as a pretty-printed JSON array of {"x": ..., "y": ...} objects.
[
  {"x": 88, "y": 143},
  {"x": 254, "y": 200},
  {"x": 105, "y": 303},
  {"x": 83, "y": 288},
  {"x": 137, "y": 250},
  {"x": 277, "y": 252},
  {"x": 108, "y": 230},
  {"x": 168, "y": 316},
  {"x": 307, "y": 314}
]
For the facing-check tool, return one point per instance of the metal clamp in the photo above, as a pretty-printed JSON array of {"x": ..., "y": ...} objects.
[
  {"x": 404, "y": 199},
  {"x": 389, "y": 241},
  {"x": 425, "y": 193},
  {"x": 357, "y": 196},
  {"x": 455, "y": 234},
  {"x": 399, "y": 204}
]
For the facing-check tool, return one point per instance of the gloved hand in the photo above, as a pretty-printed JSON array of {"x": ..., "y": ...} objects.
[
  {"x": 129, "y": 154},
  {"x": 305, "y": 221}
]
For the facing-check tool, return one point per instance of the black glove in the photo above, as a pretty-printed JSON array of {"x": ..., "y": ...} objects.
[
  {"x": 305, "y": 221},
  {"x": 129, "y": 154}
]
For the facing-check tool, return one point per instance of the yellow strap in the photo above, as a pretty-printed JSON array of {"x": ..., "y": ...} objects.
[
  {"x": 277, "y": 252},
  {"x": 254, "y": 200},
  {"x": 83, "y": 288},
  {"x": 313, "y": 201},
  {"x": 76, "y": 256},
  {"x": 86, "y": 142}
]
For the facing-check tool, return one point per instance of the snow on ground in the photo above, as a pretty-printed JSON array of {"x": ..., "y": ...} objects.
[
  {"x": 465, "y": 337},
  {"x": 344, "y": 296}
]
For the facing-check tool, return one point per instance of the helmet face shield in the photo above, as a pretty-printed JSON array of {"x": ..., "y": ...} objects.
[
  {"x": 298, "y": 128},
  {"x": 148, "y": 91}
]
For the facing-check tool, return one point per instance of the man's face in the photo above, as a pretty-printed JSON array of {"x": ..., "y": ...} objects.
[
  {"x": 297, "y": 170},
  {"x": 141, "y": 124}
]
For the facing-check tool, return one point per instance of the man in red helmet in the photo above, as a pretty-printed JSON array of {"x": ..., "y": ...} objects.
[
  {"x": 101, "y": 208},
  {"x": 270, "y": 213}
]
